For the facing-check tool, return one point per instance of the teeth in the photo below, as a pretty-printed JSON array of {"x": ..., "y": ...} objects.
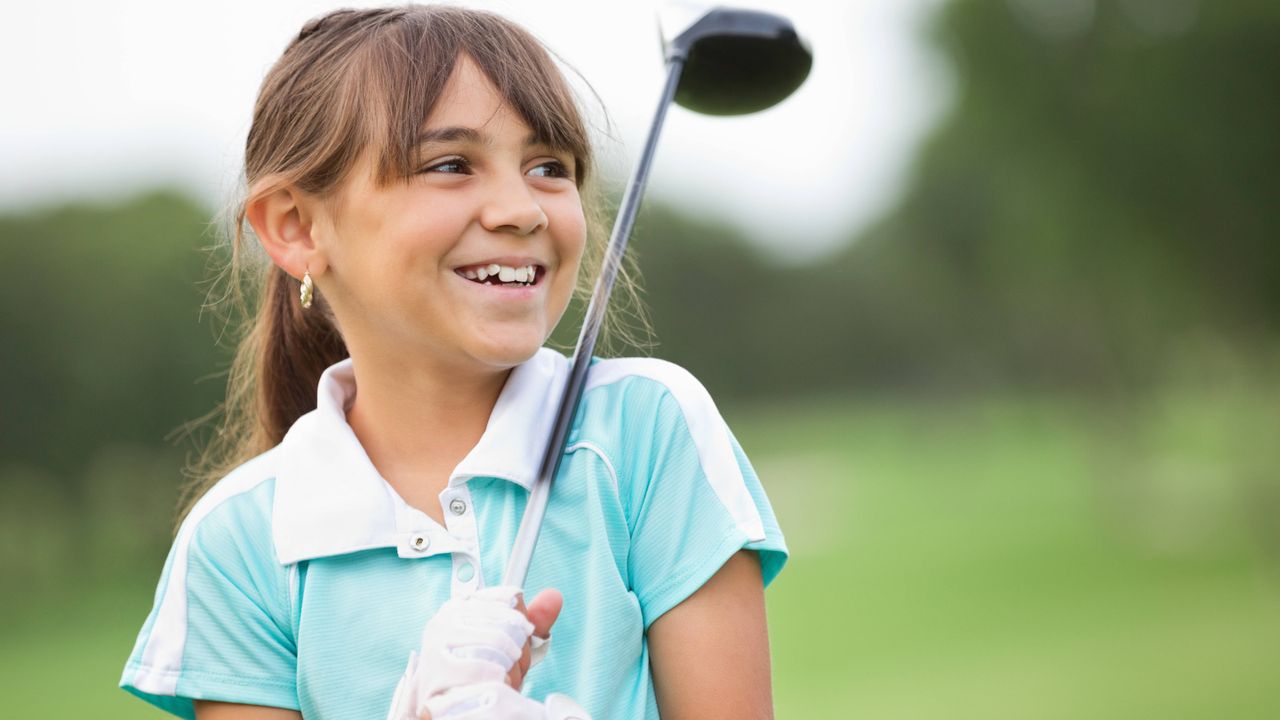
[{"x": 525, "y": 274}]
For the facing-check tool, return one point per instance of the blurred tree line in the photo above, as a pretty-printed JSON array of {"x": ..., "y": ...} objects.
[
  {"x": 1098, "y": 205},
  {"x": 101, "y": 349}
]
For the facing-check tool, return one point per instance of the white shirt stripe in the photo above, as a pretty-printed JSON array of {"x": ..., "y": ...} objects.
[
  {"x": 162, "y": 656},
  {"x": 710, "y": 433}
]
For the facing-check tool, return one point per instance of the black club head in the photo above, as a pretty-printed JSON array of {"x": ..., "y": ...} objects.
[{"x": 736, "y": 61}]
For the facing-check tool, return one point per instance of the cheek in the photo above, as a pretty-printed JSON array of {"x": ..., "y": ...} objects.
[
  {"x": 412, "y": 249},
  {"x": 572, "y": 261},
  {"x": 570, "y": 246},
  {"x": 572, "y": 234}
]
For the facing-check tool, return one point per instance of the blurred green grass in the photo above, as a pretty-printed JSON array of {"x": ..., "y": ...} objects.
[
  {"x": 1025, "y": 557},
  {"x": 1006, "y": 557}
]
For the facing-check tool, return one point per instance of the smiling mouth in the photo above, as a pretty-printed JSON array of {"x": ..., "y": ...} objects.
[{"x": 503, "y": 275}]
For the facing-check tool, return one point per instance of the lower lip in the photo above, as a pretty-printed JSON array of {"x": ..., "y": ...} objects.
[{"x": 503, "y": 292}]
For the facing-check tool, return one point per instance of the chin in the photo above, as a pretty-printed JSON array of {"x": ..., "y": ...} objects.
[{"x": 509, "y": 353}]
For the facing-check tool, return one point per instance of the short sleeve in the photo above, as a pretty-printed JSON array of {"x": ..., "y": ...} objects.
[
  {"x": 695, "y": 498},
  {"x": 221, "y": 625}
]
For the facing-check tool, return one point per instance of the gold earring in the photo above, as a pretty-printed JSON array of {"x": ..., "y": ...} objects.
[{"x": 307, "y": 291}]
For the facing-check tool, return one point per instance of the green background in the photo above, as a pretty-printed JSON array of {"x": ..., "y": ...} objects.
[{"x": 1021, "y": 432}]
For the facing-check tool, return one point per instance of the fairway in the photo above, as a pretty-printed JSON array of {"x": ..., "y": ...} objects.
[{"x": 993, "y": 558}]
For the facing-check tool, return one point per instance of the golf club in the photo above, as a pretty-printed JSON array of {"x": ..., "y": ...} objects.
[{"x": 721, "y": 61}]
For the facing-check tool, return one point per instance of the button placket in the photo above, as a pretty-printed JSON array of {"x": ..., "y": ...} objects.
[
  {"x": 459, "y": 513},
  {"x": 460, "y": 520},
  {"x": 465, "y": 576},
  {"x": 417, "y": 535}
]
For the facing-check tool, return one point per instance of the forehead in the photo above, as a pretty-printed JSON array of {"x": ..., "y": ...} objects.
[
  {"x": 470, "y": 100},
  {"x": 470, "y": 110}
]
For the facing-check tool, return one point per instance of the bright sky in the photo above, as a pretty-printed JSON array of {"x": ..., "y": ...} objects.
[{"x": 105, "y": 99}]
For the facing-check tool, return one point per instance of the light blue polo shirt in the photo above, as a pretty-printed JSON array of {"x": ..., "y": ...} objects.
[{"x": 302, "y": 580}]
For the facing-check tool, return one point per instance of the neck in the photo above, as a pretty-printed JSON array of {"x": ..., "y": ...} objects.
[{"x": 417, "y": 420}]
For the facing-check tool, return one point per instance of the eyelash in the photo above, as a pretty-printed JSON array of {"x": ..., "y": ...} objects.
[{"x": 560, "y": 169}]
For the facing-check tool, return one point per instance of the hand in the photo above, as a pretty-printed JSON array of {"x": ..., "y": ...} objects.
[
  {"x": 474, "y": 638},
  {"x": 542, "y": 612}
]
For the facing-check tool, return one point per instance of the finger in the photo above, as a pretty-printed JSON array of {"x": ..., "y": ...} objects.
[
  {"x": 543, "y": 611},
  {"x": 515, "y": 676}
]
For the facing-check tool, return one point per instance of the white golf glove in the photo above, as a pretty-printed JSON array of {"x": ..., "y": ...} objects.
[
  {"x": 472, "y": 639},
  {"x": 498, "y": 701}
]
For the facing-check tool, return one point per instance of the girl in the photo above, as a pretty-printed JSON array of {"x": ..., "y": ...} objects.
[{"x": 416, "y": 176}]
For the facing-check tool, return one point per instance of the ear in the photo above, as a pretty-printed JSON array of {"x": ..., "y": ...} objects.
[{"x": 282, "y": 217}]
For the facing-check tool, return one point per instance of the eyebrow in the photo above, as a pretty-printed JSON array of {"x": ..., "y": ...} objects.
[{"x": 453, "y": 134}]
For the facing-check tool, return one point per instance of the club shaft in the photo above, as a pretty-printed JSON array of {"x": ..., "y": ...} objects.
[{"x": 531, "y": 523}]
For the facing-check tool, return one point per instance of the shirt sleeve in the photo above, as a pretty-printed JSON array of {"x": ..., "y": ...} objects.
[
  {"x": 695, "y": 498},
  {"x": 221, "y": 625}
]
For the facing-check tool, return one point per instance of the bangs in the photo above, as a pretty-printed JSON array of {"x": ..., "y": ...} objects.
[{"x": 408, "y": 64}]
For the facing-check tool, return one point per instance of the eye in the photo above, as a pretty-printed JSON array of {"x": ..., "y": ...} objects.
[
  {"x": 452, "y": 166},
  {"x": 557, "y": 169}
]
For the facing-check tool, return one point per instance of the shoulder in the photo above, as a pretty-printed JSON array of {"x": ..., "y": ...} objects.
[
  {"x": 221, "y": 622},
  {"x": 235, "y": 509},
  {"x": 606, "y": 371},
  {"x": 642, "y": 386},
  {"x": 650, "y": 412},
  {"x": 223, "y": 558}
]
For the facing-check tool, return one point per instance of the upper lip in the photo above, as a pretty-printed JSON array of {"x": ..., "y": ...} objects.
[{"x": 507, "y": 260}]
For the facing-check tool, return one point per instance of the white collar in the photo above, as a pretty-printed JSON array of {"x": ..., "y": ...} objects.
[{"x": 330, "y": 499}]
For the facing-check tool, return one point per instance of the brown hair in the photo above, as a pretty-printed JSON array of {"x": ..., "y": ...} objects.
[{"x": 351, "y": 81}]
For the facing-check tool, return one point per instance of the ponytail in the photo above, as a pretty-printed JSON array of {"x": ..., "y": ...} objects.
[
  {"x": 281, "y": 353},
  {"x": 299, "y": 344}
]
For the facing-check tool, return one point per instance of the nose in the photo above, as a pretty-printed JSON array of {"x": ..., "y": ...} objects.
[{"x": 512, "y": 207}]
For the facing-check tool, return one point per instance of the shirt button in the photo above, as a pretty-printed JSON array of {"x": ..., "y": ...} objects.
[
  {"x": 457, "y": 507},
  {"x": 466, "y": 571},
  {"x": 419, "y": 542}
]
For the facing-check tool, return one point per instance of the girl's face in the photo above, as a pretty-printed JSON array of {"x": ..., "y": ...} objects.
[{"x": 410, "y": 267}]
